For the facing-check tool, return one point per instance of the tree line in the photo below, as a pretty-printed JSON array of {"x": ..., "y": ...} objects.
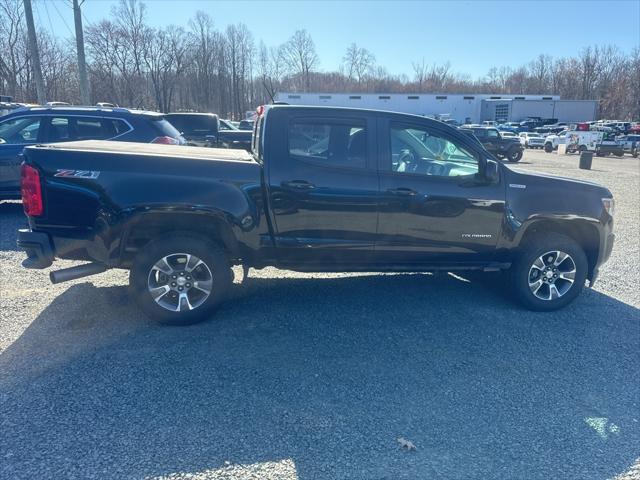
[{"x": 202, "y": 68}]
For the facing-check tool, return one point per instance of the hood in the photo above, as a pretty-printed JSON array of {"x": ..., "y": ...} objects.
[{"x": 553, "y": 181}]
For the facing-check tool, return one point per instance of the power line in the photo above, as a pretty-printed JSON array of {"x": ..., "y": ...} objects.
[
  {"x": 61, "y": 17},
  {"x": 48, "y": 16}
]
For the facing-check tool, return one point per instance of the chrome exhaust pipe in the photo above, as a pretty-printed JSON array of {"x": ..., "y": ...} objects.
[{"x": 73, "y": 273}]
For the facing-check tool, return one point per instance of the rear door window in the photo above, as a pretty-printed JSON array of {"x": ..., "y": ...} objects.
[
  {"x": 90, "y": 129},
  {"x": 59, "y": 130},
  {"x": 332, "y": 143}
]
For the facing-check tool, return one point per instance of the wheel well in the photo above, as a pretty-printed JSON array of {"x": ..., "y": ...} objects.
[
  {"x": 151, "y": 226},
  {"x": 585, "y": 234}
]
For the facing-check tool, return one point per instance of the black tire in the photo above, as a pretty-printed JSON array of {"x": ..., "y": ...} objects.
[
  {"x": 548, "y": 147},
  {"x": 582, "y": 148},
  {"x": 514, "y": 155},
  {"x": 214, "y": 270},
  {"x": 523, "y": 268},
  {"x": 634, "y": 153}
]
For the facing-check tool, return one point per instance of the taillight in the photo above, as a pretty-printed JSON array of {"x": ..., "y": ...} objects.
[
  {"x": 31, "y": 191},
  {"x": 166, "y": 140}
]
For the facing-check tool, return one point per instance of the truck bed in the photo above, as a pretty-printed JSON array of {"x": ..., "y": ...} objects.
[{"x": 152, "y": 149}]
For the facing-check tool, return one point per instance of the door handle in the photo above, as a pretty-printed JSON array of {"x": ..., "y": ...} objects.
[
  {"x": 299, "y": 185},
  {"x": 402, "y": 191}
]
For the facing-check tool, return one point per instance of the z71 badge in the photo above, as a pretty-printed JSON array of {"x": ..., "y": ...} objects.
[{"x": 77, "y": 173}]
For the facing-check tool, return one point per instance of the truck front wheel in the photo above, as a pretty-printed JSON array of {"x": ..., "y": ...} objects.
[
  {"x": 548, "y": 147},
  {"x": 514, "y": 155},
  {"x": 550, "y": 273},
  {"x": 180, "y": 279}
]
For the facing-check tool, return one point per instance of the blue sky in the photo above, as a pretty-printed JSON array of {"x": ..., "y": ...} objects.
[{"x": 472, "y": 35}]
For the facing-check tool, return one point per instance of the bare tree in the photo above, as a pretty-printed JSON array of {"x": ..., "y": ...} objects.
[
  {"x": 301, "y": 57},
  {"x": 12, "y": 38},
  {"x": 420, "y": 70},
  {"x": 271, "y": 68},
  {"x": 164, "y": 58},
  {"x": 206, "y": 69},
  {"x": 540, "y": 71},
  {"x": 358, "y": 63}
]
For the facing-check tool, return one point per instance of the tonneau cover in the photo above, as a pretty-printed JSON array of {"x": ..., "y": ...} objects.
[{"x": 153, "y": 149}]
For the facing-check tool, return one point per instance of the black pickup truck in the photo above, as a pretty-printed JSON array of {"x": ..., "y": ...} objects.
[{"x": 324, "y": 189}]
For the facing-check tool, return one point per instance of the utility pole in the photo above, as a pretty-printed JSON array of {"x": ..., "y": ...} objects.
[
  {"x": 82, "y": 66},
  {"x": 33, "y": 50}
]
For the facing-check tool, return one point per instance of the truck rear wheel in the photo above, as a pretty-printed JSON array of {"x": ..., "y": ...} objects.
[
  {"x": 550, "y": 272},
  {"x": 180, "y": 279}
]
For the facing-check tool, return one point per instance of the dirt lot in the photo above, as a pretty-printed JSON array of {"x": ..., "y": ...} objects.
[{"x": 316, "y": 376}]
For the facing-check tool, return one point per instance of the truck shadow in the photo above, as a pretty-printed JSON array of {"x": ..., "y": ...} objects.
[{"x": 326, "y": 373}]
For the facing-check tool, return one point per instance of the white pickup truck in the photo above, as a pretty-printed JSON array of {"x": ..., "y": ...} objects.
[{"x": 631, "y": 144}]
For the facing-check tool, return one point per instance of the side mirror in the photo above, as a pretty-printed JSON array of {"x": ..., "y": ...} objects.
[{"x": 492, "y": 171}]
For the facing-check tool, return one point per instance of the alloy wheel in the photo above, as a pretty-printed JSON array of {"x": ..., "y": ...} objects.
[
  {"x": 180, "y": 282},
  {"x": 552, "y": 275}
]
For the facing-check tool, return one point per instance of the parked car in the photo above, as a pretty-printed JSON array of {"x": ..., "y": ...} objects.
[
  {"x": 8, "y": 107},
  {"x": 531, "y": 140},
  {"x": 501, "y": 148},
  {"x": 631, "y": 144},
  {"x": 451, "y": 121},
  {"x": 620, "y": 127},
  {"x": 203, "y": 130},
  {"x": 314, "y": 195},
  {"x": 28, "y": 126},
  {"x": 510, "y": 127},
  {"x": 530, "y": 124},
  {"x": 547, "y": 129},
  {"x": 505, "y": 134}
]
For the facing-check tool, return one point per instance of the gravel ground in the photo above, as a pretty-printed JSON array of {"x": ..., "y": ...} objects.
[{"x": 316, "y": 376}]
